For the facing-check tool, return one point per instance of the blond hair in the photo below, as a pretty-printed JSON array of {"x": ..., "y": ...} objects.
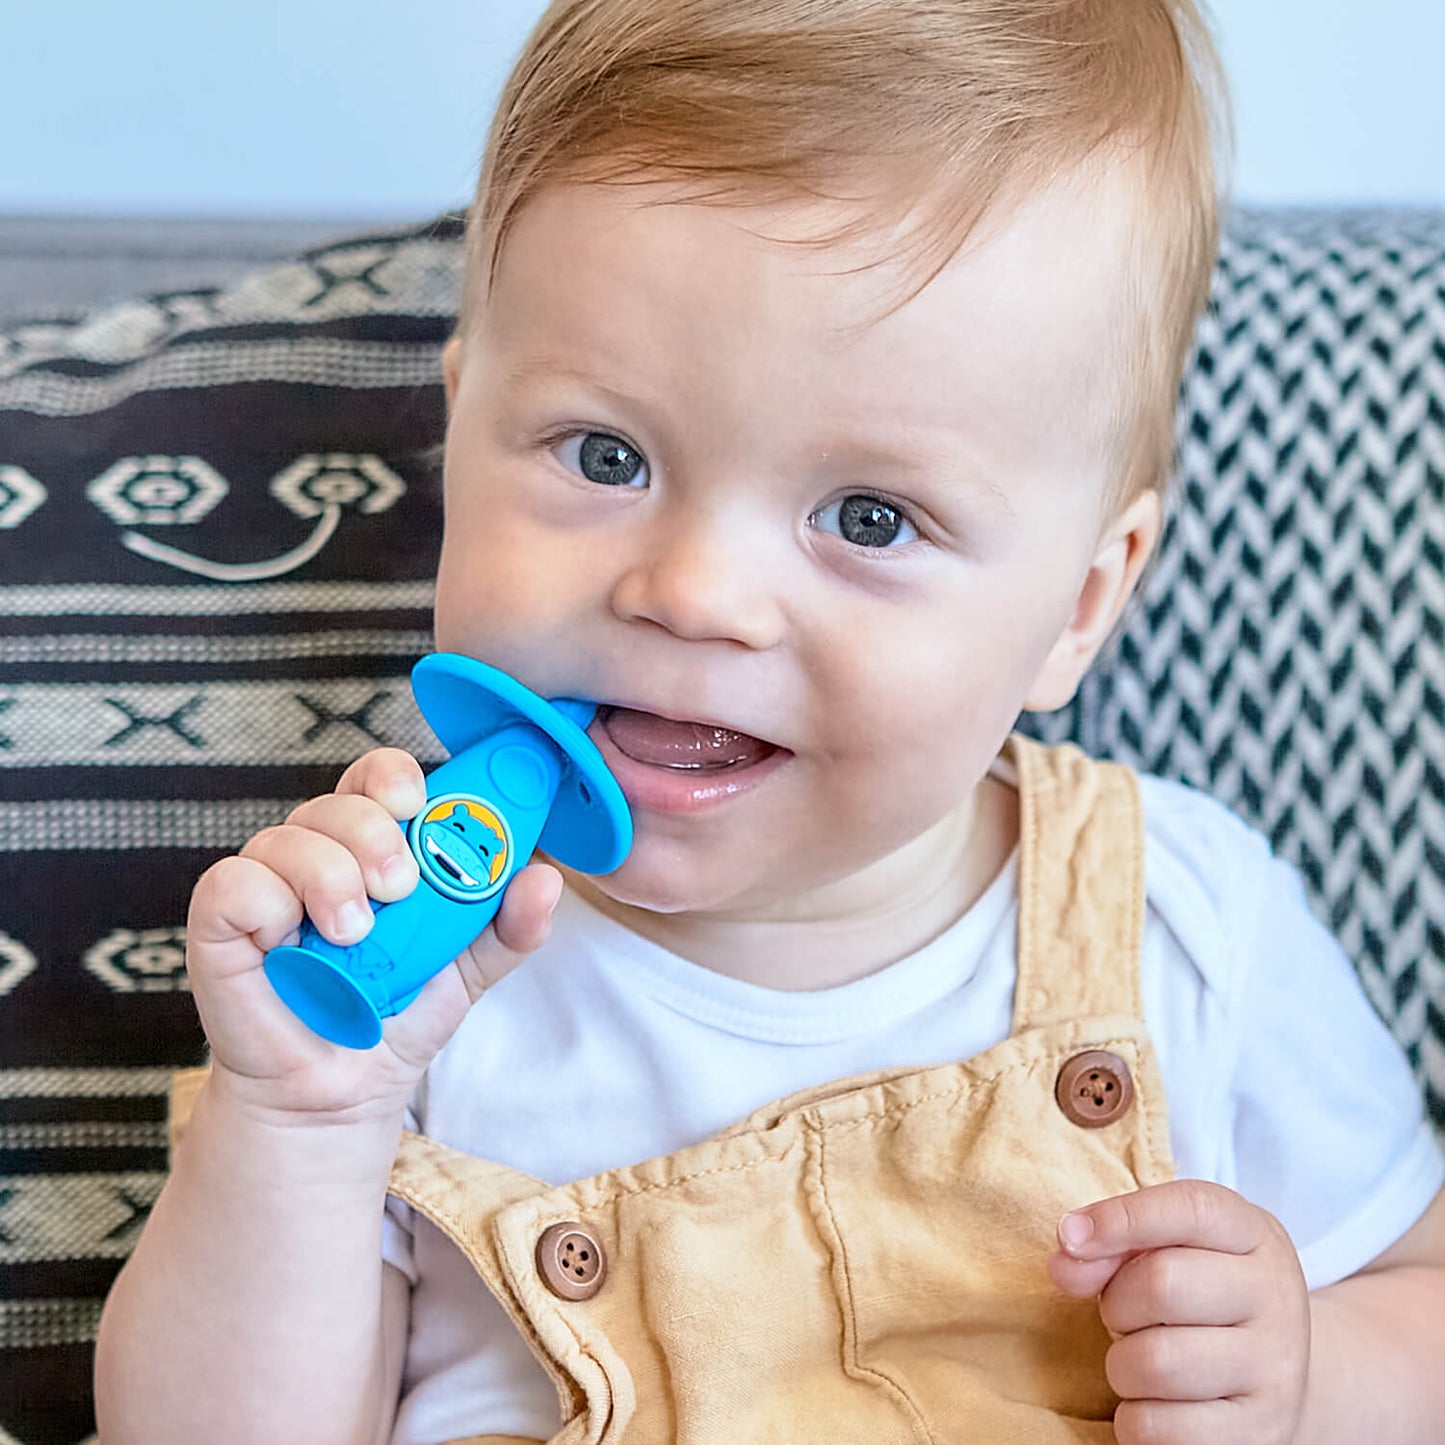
[{"x": 935, "y": 108}]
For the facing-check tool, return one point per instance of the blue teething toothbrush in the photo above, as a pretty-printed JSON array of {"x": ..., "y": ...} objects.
[{"x": 522, "y": 774}]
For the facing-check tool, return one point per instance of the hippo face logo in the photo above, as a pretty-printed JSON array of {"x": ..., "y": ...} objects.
[{"x": 463, "y": 847}]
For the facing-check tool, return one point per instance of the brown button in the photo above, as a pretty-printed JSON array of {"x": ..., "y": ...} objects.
[
  {"x": 1094, "y": 1088},
  {"x": 571, "y": 1261}
]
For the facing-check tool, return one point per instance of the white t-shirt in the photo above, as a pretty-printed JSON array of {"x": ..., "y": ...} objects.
[{"x": 603, "y": 1050}]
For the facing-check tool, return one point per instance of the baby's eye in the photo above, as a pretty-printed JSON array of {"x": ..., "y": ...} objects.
[
  {"x": 603, "y": 458},
  {"x": 865, "y": 521}
]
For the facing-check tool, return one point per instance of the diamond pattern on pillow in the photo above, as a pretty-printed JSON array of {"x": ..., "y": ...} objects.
[{"x": 219, "y": 522}]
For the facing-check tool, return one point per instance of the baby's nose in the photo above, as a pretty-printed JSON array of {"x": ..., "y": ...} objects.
[{"x": 703, "y": 585}]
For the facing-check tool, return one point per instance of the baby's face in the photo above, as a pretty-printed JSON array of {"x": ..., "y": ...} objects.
[{"x": 692, "y": 475}]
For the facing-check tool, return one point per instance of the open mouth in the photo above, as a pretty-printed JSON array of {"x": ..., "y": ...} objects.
[
  {"x": 695, "y": 747},
  {"x": 450, "y": 865}
]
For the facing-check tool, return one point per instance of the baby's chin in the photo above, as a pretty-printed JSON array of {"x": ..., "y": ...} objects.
[{"x": 661, "y": 886}]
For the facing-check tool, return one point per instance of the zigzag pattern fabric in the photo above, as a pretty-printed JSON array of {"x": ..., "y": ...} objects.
[{"x": 1288, "y": 652}]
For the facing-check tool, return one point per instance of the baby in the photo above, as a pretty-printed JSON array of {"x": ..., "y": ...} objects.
[{"x": 810, "y": 410}]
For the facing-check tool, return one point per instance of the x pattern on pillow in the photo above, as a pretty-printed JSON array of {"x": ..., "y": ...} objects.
[{"x": 219, "y": 522}]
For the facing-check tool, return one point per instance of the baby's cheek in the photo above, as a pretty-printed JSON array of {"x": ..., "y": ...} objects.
[{"x": 502, "y": 588}]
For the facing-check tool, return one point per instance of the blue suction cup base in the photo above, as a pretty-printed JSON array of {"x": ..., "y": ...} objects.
[{"x": 326, "y": 1000}]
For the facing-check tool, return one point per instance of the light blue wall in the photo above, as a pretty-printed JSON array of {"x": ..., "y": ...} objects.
[
  {"x": 249, "y": 107},
  {"x": 1337, "y": 100},
  {"x": 378, "y": 107}
]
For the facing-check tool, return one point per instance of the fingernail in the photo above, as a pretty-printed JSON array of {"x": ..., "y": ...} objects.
[
  {"x": 1075, "y": 1230},
  {"x": 352, "y": 922}
]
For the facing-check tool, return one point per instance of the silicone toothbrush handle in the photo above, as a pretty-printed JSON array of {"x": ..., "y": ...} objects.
[{"x": 485, "y": 810}]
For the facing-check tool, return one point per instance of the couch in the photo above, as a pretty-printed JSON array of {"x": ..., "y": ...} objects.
[{"x": 219, "y": 514}]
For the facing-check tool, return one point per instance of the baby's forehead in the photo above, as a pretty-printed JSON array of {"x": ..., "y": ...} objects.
[
  {"x": 698, "y": 312},
  {"x": 1076, "y": 240}
]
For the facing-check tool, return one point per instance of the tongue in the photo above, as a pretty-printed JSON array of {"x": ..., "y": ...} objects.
[{"x": 647, "y": 738}]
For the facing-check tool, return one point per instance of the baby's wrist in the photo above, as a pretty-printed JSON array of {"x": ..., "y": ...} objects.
[
  {"x": 354, "y": 1140},
  {"x": 1321, "y": 1415}
]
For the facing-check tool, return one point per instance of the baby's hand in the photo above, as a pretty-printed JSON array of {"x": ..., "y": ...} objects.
[
  {"x": 328, "y": 856},
  {"x": 1204, "y": 1296}
]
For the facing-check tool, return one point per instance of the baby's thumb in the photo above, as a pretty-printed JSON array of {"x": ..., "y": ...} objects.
[{"x": 521, "y": 927}]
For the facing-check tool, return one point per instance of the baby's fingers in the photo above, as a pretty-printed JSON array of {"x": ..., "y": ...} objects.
[
  {"x": 1180, "y": 1422},
  {"x": 370, "y": 834},
  {"x": 240, "y": 909},
  {"x": 520, "y": 927},
  {"x": 322, "y": 873},
  {"x": 1181, "y": 1212},
  {"x": 390, "y": 777},
  {"x": 239, "y": 906},
  {"x": 1084, "y": 1278},
  {"x": 1182, "y": 1287},
  {"x": 1182, "y": 1362}
]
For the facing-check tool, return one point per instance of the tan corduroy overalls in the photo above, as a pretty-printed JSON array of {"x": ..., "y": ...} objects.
[{"x": 863, "y": 1263}]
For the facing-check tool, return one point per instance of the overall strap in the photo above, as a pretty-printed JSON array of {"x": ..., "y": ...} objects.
[
  {"x": 462, "y": 1196},
  {"x": 1081, "y": 886}
]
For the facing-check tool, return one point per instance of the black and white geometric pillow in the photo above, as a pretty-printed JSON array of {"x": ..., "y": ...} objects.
[{"x": 1288, "y": 653}]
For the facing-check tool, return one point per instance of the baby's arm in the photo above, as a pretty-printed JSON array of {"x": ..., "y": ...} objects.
[
  {"x": 256, "y": 1306},
  {"x": 1377, "y": 1359},
  {"x": 1216, "y": 1337}
]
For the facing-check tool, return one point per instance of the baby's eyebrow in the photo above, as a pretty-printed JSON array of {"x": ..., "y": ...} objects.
[
  {"x": 863, "y": 452},
  {"x": 525, "y": 369},
  {"x": 528, "y": 371}
]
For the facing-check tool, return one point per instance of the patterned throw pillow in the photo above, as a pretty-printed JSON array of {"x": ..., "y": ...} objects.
[
  {"x": 1288, "y": 653},
  {"x": 219, "y": 521}
]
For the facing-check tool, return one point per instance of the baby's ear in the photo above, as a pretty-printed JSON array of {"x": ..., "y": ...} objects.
[
  {"x": 452, "y": 367},
  {"x": 1124, "y": 548}
]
